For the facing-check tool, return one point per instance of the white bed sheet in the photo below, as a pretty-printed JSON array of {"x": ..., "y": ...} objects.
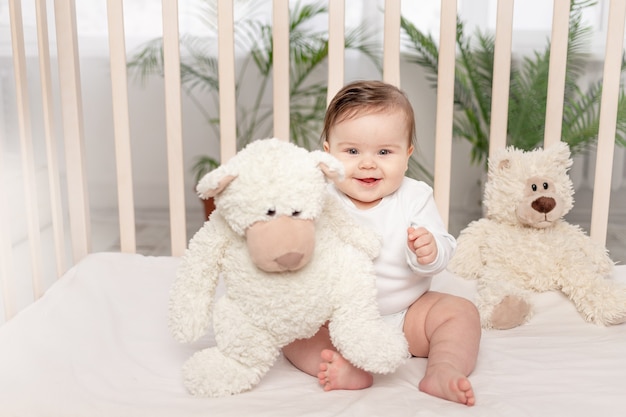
[{"x": 97, "y": 344}]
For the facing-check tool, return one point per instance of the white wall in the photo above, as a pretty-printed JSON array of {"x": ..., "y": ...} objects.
[{"x": 149, "y": 143}]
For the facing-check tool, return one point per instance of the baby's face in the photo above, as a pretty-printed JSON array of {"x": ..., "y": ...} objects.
[{"x": 375, "y": 151}]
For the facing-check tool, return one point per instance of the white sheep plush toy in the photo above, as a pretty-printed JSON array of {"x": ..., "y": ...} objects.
[
  {"x": 524, "y": 245},
  {"x": 290, "y": 259}
]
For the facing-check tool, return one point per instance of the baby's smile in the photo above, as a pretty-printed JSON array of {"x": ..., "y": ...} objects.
[{"x": 368, "y": 180}]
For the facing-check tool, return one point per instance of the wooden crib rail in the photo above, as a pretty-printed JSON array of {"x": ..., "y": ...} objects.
[
  {"x": 608, "y": 120},
  {"x": 173, "y": 124},
  {"x": 121, "y": 124},
  {"x": 28, "y": 164},
  {"x": 73, "y": 140},
  {"x": 73, "y": 129}
]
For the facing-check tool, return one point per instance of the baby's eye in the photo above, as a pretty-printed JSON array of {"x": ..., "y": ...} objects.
[
  {"x": 353, "y": 151},
  {"x": 384, "y": 152}
]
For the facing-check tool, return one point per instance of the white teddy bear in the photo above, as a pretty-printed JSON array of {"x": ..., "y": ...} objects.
[
  {"x": 524, "y": 245},
  {"x": 291, "y": 259}
]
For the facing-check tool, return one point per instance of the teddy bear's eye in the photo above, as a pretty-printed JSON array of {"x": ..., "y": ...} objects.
[
  {"x": 296, "y": 213},
  {"x": 271, "y": 212},
  {"x": 545, "y": 185},
  {"x": 534, "y": 187}
]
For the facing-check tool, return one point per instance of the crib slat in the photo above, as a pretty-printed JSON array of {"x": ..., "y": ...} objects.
[
  {"x": 501, "y": 77},
  {"x": 73, "y": 130},
  {"x": 336, "y": 46},
  {"x": 56, "y": 209},
  {"x": 391, "y": 43},
  {"x": 121, "y": 125},
  {"x": 7, "y": 270},
  {"x": 445, "y": 108},
  {"x": 226, "y": 70},
  {"x": 608, "y": 118},
  {"x": 280, "y": 28},
  {"x": 556, "y": 76},
  {"x": 174, "y": 127},
  {"x": 26, "y": 145}
]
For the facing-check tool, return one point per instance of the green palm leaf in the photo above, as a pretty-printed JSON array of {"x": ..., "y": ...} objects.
[
  {"x": 528, "y": 89},
  {"x": 308, "y": 52}
]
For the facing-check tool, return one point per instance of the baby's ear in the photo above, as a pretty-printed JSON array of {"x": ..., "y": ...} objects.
[{"x": 330, "y": 166}]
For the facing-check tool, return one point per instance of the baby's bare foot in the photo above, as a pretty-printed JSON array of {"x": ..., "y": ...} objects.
[
  {"x": 337, "y": 373},
  {"x": 445, "y": 381}
]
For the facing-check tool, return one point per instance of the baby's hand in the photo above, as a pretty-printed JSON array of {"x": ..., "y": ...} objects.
[{"x": 423, "y": 244}]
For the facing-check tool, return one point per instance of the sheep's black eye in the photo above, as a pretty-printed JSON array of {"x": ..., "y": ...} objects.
[
  {"x": 271, "y": 212},
  {"x": 296, "y": 213},
  {"x": 534, "y": 187},
  {"x": 545, "y": 185}
]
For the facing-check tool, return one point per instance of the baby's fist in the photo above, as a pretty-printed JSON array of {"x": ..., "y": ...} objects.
[{"x": 423, "y": 244}]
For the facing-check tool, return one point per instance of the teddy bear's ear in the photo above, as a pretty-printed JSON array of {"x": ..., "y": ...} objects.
[
  {"x": 559, "y": 154},
  {"x": 503, "y": 160},
  {"x": 504, "y": 164},
  {"x": 498, "y": 166},
  {"x": 330, "y": 166},
  {"x": 214, "y": 182}
]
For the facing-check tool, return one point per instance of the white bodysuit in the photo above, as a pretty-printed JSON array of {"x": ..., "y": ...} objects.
[{"x": 399, "y": 278}]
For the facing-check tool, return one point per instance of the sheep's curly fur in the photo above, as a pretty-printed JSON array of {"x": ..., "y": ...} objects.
[
  {"x": 272, "y": 206},
  {"x": 524, "y": 245}
]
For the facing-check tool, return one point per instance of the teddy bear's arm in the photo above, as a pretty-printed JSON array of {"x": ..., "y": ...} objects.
[
  {"x": 467, "y": 260},
  {"x": 191, "y": 297},
  {"x": 348, "y": 230},
  {"x": 587, "y": 281},
  {"x": 592, "y": 252}
]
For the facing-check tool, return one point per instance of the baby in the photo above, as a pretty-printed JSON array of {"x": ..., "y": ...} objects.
[{"x": 370, "y": 127}]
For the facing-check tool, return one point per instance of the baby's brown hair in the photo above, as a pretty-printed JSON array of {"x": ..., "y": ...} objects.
[{"x": 366, "y": 97}]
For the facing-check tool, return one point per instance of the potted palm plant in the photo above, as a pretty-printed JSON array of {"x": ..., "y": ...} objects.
[
  {"x": 253, "y": 37},
  {"x": 528, "y": 89}
]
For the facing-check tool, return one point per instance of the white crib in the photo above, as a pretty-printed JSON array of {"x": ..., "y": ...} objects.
[{"x": 95, "y": 341}]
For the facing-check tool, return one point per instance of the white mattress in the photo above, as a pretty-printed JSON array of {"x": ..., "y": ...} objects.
[{"x": 97, "y": 344}]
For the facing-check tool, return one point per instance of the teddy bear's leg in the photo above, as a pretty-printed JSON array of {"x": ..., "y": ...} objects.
[
  {"x": 209, "y": 373},
  {"x": 599, "y": 300},
  {"x": 510, "y": 312},
  {"x": 501, "y": 304},
  {"x": 243, "y": 355}
]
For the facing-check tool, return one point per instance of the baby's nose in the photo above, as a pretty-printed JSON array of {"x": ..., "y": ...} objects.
[{"x": 367, "y": 163}]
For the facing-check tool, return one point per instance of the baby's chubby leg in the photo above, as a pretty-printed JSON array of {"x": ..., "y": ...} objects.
[
  {"x": 318, "y": 357},
  {"x": 446, "y": 329}
]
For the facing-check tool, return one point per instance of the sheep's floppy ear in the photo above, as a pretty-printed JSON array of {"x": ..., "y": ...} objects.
[
  {"x": 330, "y": 166},
  {"x": 214, "y": 182}
]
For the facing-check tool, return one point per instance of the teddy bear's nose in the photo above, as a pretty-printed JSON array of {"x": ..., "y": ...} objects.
[
  {"x": 289, "y": 260},
  {"x": 543, "y": 204}
]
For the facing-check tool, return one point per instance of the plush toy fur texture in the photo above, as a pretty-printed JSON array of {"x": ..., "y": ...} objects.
[
  {"x": 524, "y": 245},
  {"x": 291, "y": 259}
]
